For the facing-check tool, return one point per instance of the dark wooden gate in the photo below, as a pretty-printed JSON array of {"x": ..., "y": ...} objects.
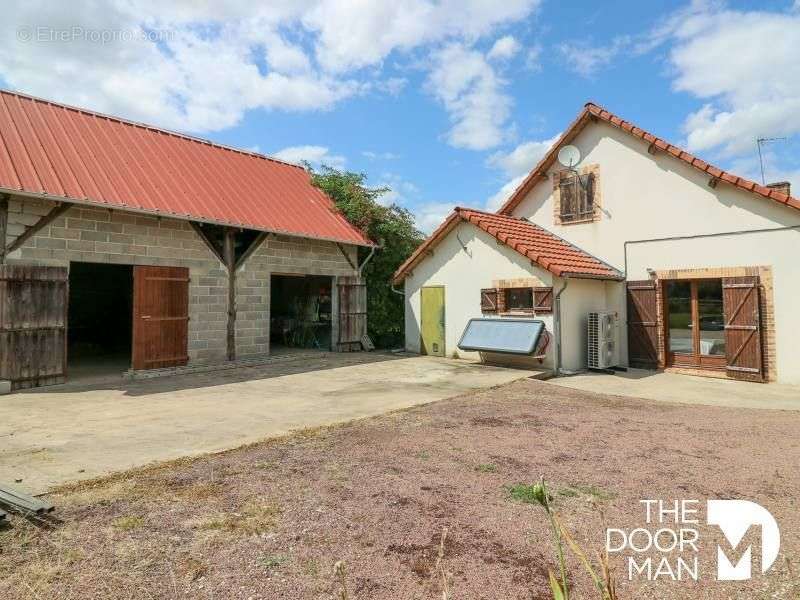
[
  {"x": 33, "y": 325},
  {"x": 160, "y": 317},
  {"x": 352, "y": 313},
  {"x": 642, "y": 324},
  {"x": 742, "y": 313}
]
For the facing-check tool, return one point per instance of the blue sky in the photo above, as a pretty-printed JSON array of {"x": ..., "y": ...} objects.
[{"x": 446, "y": 102}]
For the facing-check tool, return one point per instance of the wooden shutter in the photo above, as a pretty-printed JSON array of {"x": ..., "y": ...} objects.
[
  {"x": 642, "y": 324},
  {"x": 587, "y": 197},
  {"x": 160, "y": 317},
  {"x": 568, "y": 198},
  {"x": 742, "y": 313},
  {"x": 489, "y": 300},
  {"x": 33, "y": 325},
  {"x": 543, "y": 299},
  {"x": 352, "y": 313}
]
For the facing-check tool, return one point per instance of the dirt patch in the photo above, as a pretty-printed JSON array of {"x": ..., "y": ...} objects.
[{"x": 270, "y": 520}]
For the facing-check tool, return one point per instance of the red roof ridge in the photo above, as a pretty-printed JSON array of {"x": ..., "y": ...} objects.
[
  {"x": 142, "y": 125},
  {"x": 593, "y": 110},
  {"x": 548, "y": 250}
]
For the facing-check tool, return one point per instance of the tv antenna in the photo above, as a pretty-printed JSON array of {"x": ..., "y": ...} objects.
[{"x": 760, "y": 142}]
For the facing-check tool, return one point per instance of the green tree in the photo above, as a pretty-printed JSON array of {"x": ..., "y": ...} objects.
[{"x": 392, "y": 228}]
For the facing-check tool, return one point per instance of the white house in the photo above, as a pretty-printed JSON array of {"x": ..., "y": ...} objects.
[{"x": 699, "y": 264}]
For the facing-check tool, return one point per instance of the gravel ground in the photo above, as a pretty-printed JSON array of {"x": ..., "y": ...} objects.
[{"x": 270, "y": 520}]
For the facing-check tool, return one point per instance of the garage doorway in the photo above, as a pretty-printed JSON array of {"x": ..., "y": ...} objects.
[
  {"x": 99, "y": 331},
  {"x": 301, "y": 311}
]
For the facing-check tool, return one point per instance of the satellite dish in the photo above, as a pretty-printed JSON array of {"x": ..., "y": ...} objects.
[{"x": 569, "y": 156}]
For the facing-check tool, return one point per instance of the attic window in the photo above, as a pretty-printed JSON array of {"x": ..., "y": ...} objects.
[{"x": 576, "y": 193}]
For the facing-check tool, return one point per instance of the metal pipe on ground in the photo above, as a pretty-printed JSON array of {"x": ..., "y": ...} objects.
[{"x": 22, "y": 502}]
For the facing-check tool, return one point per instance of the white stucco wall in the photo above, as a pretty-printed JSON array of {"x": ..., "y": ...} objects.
[
  {"x": 581, "y": 297},
  {"x": 463, "y": 273},
  {"x": 645, "y": 196}
]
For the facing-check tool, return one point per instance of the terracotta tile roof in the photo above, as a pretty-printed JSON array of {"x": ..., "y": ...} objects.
[
  {"x": 64, "y": 153},
  {"x": 593, "y": 111},
  {"x": 532, "y": 241}
]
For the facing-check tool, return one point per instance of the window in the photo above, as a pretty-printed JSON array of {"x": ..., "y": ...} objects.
[
  {"x": 576, "y": 197},
  {"x": 519, "y": 298}
]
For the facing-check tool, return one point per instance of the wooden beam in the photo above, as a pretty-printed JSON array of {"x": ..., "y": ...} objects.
[
  {"x": 347, "y": 258},
  {"x": 712, "y": 183},
  {"x": 198, "y": 228},
  {"x": 251, "y": 249},
  {"x": 29, "y": 232},
  {"x": 3, "y": 226},
  {"x": 229, "y": 256},
  {"x": 651, "y": 149}
]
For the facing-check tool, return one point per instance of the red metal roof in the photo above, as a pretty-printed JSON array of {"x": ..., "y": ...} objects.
[
  {"x": 593, "y": 111},
  {"x": 532, "y": 241},
  {"x": 72, "y": 154}
]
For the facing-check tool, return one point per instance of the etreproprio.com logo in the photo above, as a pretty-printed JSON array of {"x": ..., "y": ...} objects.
[{"x": 668, "y": 548}]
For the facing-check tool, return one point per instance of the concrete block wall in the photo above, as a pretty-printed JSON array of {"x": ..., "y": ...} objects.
[
  {"x": 279, "y": 254},
  {"x": 103, "y": 236}
]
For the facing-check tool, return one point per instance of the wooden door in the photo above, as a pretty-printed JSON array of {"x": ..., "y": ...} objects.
[
  {"x": 432, "y": 322},
  {"x": 33, "y": 325},
  {"x": 160, "y": 317},
  {"x": 743, "y": 328},
  {"x": 642, "y": 300},
  {"x": 352, "y": 313}
]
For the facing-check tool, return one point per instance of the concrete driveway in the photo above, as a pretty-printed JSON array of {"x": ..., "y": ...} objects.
[
  {"x": 687, "y": 389},
  {"x": 63, "y": 433}
]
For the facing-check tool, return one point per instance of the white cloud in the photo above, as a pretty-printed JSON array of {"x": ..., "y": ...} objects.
[
  {"x": 354, "y": 34},
  {"x": 472, "y": 93},
  {"x": 504, "y": 48},
  {"x": 494, "y": 202},
  {"x": 533, "y": 58},
  {"x": 401, "y": 191},
  {"x": 523, "y": 158},
  {"x": 587, "y": 60},
  {"x": 429, "y": 216},
  {"x": 316, "y": 155},
  {"x": 200, "y": 66},
  {"x": 516, "y": 164},
  {"x": 745, "y": 66}
]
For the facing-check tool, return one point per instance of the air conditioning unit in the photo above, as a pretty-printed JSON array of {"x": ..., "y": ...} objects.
[{"x": 602, "y": 338}]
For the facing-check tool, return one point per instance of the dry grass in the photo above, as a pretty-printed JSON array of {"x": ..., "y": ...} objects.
[{"x": 271, "y": 519}]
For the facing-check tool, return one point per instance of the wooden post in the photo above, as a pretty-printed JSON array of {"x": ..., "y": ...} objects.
[
  {"x": 3, "y": 226},
  {"x": 228, "y": 254}
]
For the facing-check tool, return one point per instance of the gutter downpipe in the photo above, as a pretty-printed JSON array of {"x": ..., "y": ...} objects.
[
  {"x": 557, "y": 326},
  {"x": 366, "y": 260}
]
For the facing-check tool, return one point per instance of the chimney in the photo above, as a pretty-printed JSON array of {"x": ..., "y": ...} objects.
[{"x": 784, "y": 187}]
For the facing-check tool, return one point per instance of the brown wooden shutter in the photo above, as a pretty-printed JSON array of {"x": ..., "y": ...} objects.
[
  {"x": 160, "y": 317},
  {"x": 352, "y": 313},
  {"x": 741, "y": 308},
  {"x": 543, "y": 299},
  {"x": 33, "y": 325},
  {"x": 489, "y": 300},
  {"x": 587, "y": 197},
  {"x": 642, "y": 324},
  {"x": 568, "y": 198}
]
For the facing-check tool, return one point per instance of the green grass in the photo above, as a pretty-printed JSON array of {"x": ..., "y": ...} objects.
[
  {"x": 596, "y": 493},
  {"x": 423, "y": 454},
  {"x": 522, "y": 493},
  {"x": 486, "y": 468}
]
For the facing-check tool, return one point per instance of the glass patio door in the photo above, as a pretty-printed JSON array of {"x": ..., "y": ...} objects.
[{"x": 695, "y": 326}]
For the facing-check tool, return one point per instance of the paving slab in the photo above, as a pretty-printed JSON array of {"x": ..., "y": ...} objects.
[{"x": 54, "y": 435}]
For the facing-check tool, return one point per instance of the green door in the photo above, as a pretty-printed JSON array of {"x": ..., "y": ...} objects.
[{"x": 432, "y": 326}]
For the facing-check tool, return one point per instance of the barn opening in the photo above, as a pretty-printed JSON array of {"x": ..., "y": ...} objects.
[
  {"x": 301, "y": 311},
  {"x": 100, "y": 313}
]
